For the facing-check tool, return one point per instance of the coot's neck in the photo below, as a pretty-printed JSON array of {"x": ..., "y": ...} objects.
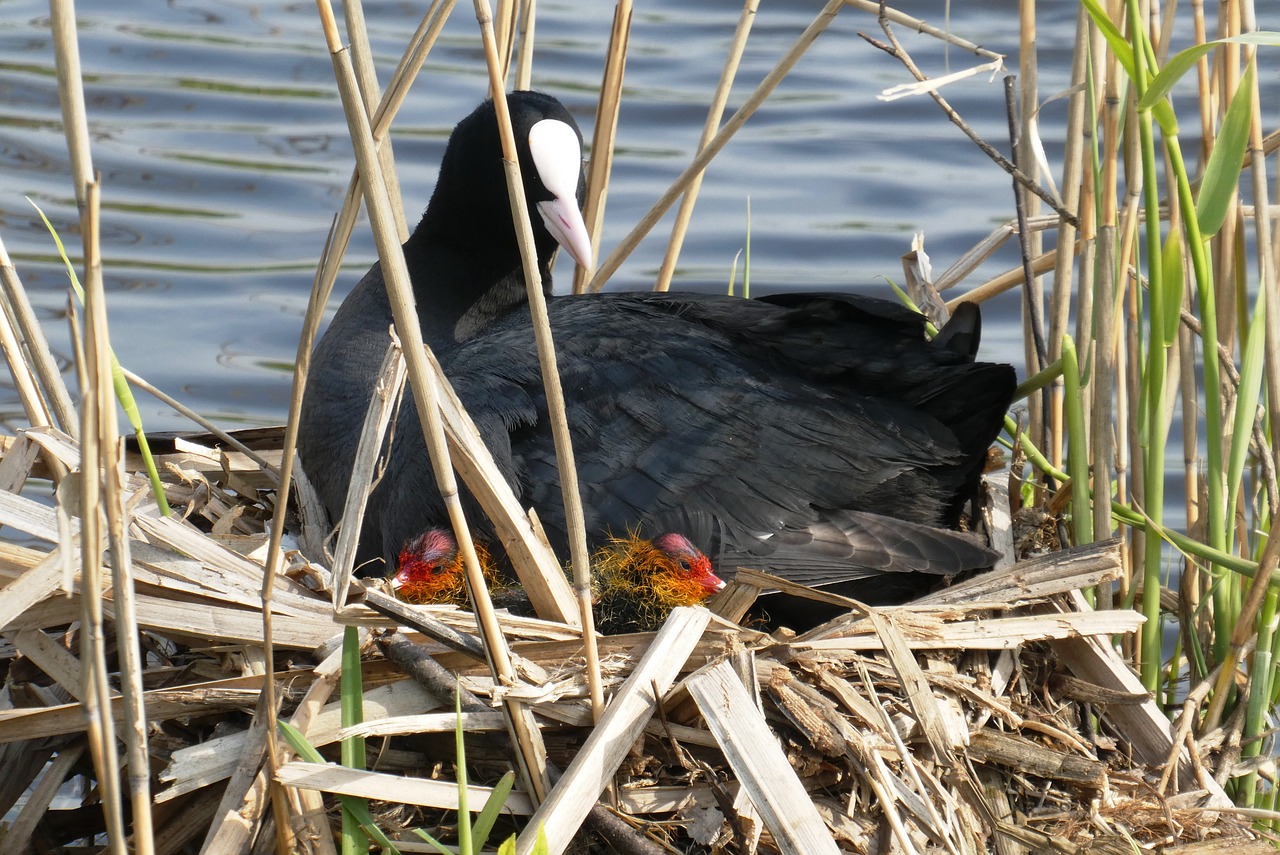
[{"x": 466, "y": 275}]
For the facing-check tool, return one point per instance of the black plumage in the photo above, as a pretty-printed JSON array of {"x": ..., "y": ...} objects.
[{"x": 778, "y": 432}]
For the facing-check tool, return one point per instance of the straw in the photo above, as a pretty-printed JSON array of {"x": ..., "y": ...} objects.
[
  {"x": 113, "y": 501},
  {"x": 603, "y": 136},
  {"x": 367, "y": 77},
  {"x": 575, "y": 522},
  {"x": 524, "y": 61},
  {"x": 524, "y": 733},
  {"x": 98, "y": 409},
  {"x": 714, "y": 114},
  {"x": 712, "y": 148}
]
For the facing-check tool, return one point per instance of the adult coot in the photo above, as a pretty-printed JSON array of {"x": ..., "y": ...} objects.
[{"x": 785, "y": 432}]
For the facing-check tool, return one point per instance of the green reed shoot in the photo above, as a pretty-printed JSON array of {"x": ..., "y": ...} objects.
[{"x": 123, "y": 393}]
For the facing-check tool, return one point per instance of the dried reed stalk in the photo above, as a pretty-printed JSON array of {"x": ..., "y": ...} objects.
[
  {"x": 524, "y": 733},
  {"x": 383, "y": 402},
  {"x": 243, "y": 803},
  {"x": 1264, "y": 241},
  {"x": 603, "y": 136},
  {"x": 561, "y": 813},
  {"x": 759, "y": 763},
  {"x": 1046, "y": 422},
  {"x": 1005, "y": 281},
  {"x": 540, "y": 571},
  {"x": 897, "y": 16},
  {"x": 420, "y": 44},
  {"x": 714, "y": 114},
  {"x": 100, "y": 472},
  {"x": 41, "y": 796},
  {"x": 712, "y": 148},
  {"x": 326, "y": 273},
  {"x": 123, "y": 613},
  {"x": 98, "y": 406},
  {"x": 575, "y": 522},
  {"x": 24, "y": 378},
  {"x": 367, "y": 77},
  {"x": 524, "y": 61},
  {"x": 66, "y": 52},
  {"x": 504, "y": 27},
  {"x": 565, "y": 461}
]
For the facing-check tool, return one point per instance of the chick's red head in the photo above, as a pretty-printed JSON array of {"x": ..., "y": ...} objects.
[
  {"x": 687, "y": 570},
  {"x": 430, "y": 571}
]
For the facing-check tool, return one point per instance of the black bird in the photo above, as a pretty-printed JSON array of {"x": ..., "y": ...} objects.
[{"x": 789, "y": 433}]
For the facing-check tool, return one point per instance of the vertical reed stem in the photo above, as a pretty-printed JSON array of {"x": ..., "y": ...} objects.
[
  {"x": 714, "y": 114},
  {"x": 603, "y": 135},
  {"x": 98, "y": 407},
  {"x": 575, "y": 522}
]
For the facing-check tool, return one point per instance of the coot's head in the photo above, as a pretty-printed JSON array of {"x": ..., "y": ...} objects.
[{"x": 470, "y": 207}]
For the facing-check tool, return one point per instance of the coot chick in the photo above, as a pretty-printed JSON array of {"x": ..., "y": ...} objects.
[
  {"x": 755, "y": 427},
  {"x": 635, "y": 582},
  {"x": 430, "y": 571}
]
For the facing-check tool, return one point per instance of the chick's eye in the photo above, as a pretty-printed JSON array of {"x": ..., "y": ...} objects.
[{"x": 437, "y": 571}]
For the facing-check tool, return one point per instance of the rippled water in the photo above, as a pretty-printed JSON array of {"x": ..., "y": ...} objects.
[{"x": 224, "y": 153}]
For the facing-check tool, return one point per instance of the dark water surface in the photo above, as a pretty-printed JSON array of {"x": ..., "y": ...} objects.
[{"x": 219, "y": 135}]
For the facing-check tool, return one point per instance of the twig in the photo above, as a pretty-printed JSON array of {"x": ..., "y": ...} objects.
[
  {"x": 942, "y": 34},
  {"x": 424, "y": 670},
  {"x": 200, "y": 420},
  {"x": 895, "y": 49},
  {"x": 25, "y": 367},
  {"x": 434, "y": 629}
]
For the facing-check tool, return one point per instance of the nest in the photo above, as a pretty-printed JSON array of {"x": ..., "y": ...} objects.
[{"x": 995, "y": 714}]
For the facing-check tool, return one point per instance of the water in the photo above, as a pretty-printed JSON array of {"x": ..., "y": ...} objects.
[{"x": 223, "y": 151}]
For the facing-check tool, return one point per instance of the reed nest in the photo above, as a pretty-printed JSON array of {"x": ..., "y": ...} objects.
[{"x": 993, "y": 715}]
